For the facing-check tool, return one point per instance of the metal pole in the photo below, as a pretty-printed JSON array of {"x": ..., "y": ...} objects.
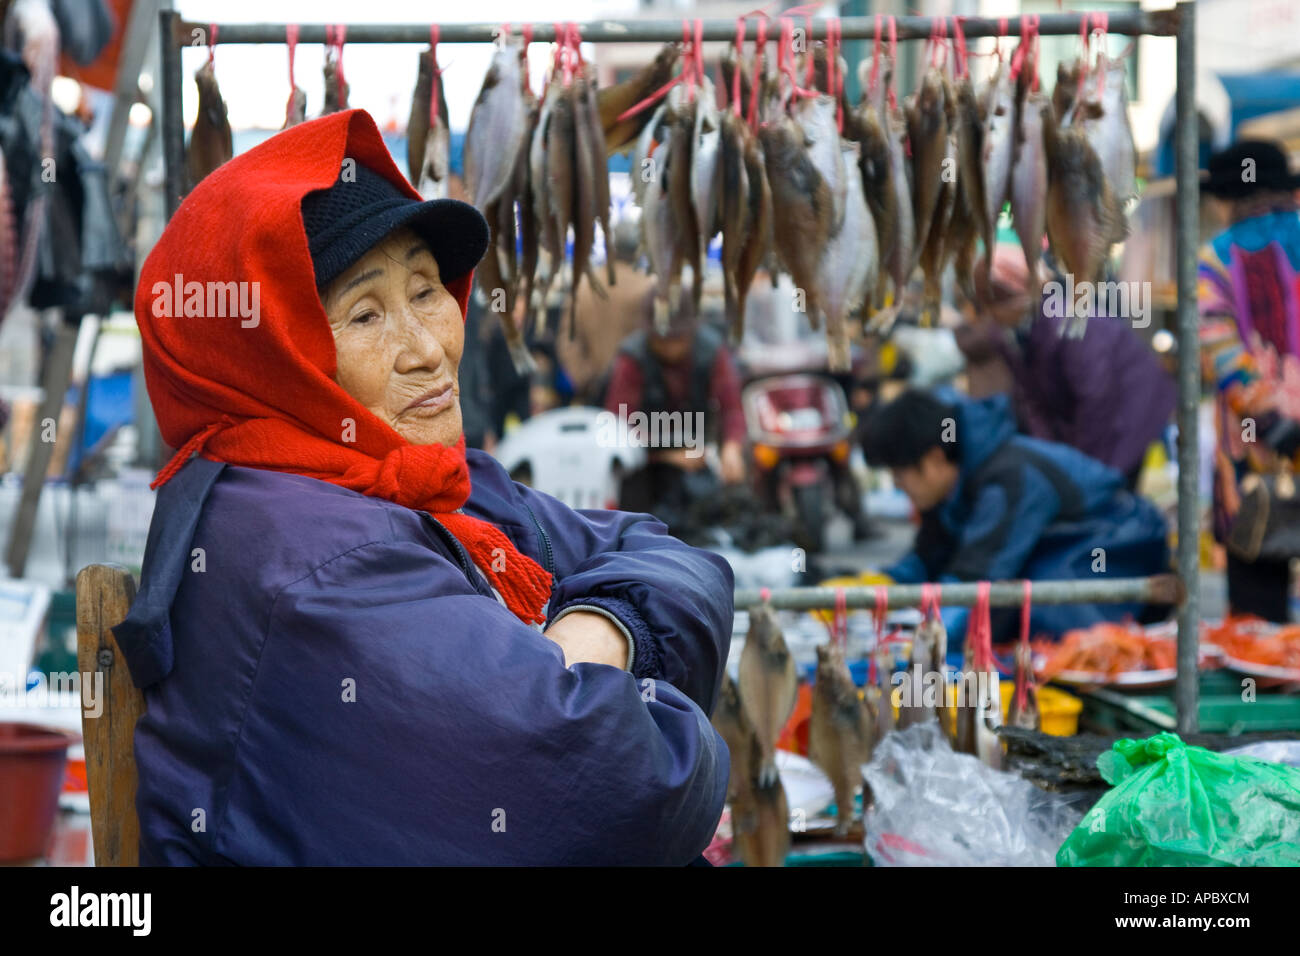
[
  {"x": 173, "y": 125},
  {"x": 139, "y": 26},
  {"x": 1129, "y": 23},
  {"x": 1159, "y": 589},
  {"x": 1186, "y": 147}
]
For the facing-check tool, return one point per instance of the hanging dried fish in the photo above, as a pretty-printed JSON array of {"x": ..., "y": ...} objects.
[
  {"x": 337, "y": 87},
  {"x": 1084, "y": 217},
  {"x": 801, "y": 203},
  {"x": 613, "y": 101},
  {"x": 848, "y": 269},
  {"x": 211, "y": 143},
  {"x": 428, "y": 138},
  {"x": 841, "y": 735}
]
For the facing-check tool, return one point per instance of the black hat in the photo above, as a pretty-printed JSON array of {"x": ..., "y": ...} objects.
[
  {"x": 348, "y": 219},
  {"x": 1227, "y": 176}
]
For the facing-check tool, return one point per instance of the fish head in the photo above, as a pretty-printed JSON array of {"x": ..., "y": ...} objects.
[{"x": 764, "y": 629}]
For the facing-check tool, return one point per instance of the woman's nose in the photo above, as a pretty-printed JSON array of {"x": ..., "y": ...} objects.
[{"x": 420, "y": 344}]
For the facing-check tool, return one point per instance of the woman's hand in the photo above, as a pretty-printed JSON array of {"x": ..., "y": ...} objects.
[{"x": 587, "y": 636}]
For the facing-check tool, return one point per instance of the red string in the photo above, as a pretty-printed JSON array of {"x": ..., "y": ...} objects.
[
  {"x": 212, "y": 45},
  {"x": 1101, "y": 27},
  {"x": 434, "y": 33},
  {"x": 699, "y": 49},
  {"x": 650, "y": 100},
  {"x": 339, "y": 33},
  {"x": 959, "y": 39},
  {"x": 1035, "y": 51},
  {"x": 875, "y": 61},
  {"x": 893, "y": 58},
  {"x": 740, "y": 65},
  {"x": 291, "y": 41},
  {"x": 688, "y": 61},
  {"x": 760, "y": 58},
  {"x": 981, "y": 636},
  {"x": 879, "y": 612},
  {"x": 833, "y": 68},
  {"x": 575, "y": 41},
  {"x": 786, "y": 53},
  {"x": 808, "y": 66},
  {"x": 1022, "y": 681}
]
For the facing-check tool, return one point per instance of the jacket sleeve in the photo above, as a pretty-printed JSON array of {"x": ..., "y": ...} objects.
[
  {"x": 675, "y": 600},
  {"x": 466, "y": 739}
]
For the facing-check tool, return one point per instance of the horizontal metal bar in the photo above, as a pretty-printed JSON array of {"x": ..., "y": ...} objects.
[
  {"x": 1127, "y": 23},
  {"x": 1158, "y": 589}
]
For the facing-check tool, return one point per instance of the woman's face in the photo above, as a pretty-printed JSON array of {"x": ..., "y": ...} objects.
[{"x": 399, "y": 336}]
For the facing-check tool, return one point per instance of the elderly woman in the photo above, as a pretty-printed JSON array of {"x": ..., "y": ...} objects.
[{"x": 359, "y": 643}]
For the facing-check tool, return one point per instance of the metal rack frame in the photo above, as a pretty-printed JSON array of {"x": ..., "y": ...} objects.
[{"x": 1178, "y": 22}]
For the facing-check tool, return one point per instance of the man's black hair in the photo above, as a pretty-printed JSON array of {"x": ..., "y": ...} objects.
[{"x": 898, "y": 434}]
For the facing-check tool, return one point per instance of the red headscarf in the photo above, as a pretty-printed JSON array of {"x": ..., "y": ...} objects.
[{"x": 262, "y": 394}]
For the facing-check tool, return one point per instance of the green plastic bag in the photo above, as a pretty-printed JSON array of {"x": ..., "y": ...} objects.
[{"x": 1176, "y": 805}]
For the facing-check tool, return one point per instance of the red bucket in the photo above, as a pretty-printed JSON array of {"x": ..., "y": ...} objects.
[{"x": 32, "y": 761}]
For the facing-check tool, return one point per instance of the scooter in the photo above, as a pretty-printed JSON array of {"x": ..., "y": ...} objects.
[{"x": 799, "y": 437}]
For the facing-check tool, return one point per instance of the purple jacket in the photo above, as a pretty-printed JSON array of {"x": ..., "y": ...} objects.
[
  {"x": 329, "y": 681},
  {"x": 1105, "y": 394}
]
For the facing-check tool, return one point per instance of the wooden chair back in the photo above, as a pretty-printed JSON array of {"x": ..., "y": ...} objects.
[{"x": 104, "y": 596}]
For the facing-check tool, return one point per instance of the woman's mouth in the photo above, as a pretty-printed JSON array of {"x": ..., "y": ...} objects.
[{"x": 432, "y": 402}]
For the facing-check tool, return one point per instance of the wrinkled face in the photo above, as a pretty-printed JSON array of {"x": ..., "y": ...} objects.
[
  {"x": 929, "y": 481},
  {"x": 399, "y": 335}
]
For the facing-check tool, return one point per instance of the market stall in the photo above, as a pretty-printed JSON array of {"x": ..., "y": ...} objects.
[{"x": 1178, "y": 22}]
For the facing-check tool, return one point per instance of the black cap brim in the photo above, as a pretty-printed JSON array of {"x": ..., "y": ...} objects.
[{"x": 456, "y": 232}]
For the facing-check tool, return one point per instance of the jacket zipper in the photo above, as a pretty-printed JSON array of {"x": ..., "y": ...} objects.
[
  {"x": 545, "y": 542},
  {"x": 461, "y": 555}
]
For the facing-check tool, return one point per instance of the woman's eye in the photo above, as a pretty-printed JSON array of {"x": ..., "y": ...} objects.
[
  {"x": 364, "y": 318},
  {"x": 425, "y": 295}
]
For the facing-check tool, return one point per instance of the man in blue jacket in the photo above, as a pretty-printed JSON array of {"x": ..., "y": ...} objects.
[{"x": 996, "y": 505}]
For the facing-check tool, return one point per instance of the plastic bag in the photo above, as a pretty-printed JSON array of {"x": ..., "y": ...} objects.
[
  {"x": 934, "y": 807},
  {"x": 1177, "y": 805}
]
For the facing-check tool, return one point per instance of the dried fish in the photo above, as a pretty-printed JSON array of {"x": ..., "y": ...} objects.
[
  {"x": 1023, "y": 711},
  {"x": 801, "y": 202},
  {"x": 840, "y": 736},
  {"x": 1084, "y": 218},
  {"x": 705, "y": 166},
  {"x": 970, "y": 217},
  {"x": 685, "y": 227},
  {"x": 1029, "y": 188},
  {"x": 768, "y": 685},
  {"x": 428, "y": 141},
  {"x": 999, "y": 142},
  {"x": 927, "y": 131},
  {"x": 1104, "y": 115},
  {"x": 497, "y": 125},
  {"x": 211, "y": 143},
  {"x": 613, "y": 101},
  {"x": 295, "y": 110},
  {"x": 336, "y": 98},
  {"x": 849, "y": 268},
  {"x": 815, "y": 116},
  {"x": 600, "y": 168}
]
